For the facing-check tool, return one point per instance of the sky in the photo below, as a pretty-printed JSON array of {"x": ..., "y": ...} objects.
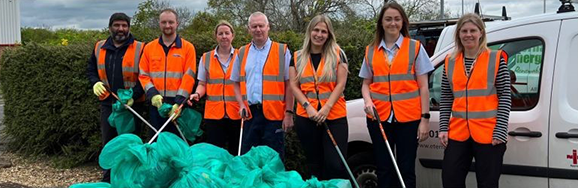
[{"x": 94, "y": 14}]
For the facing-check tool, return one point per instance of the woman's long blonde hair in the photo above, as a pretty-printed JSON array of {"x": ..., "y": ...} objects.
[
  {"x": 329, "y": 54},
  {"x": 477, "y": 21}
]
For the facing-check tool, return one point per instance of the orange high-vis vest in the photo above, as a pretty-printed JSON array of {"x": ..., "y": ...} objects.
[
  {"x": 475, "y": 102},
  {"x": 395, "y": 86},
  {"x": 220, "y": 93},
  {"x": 318, "y": 92},
  {"x": 273, "y": 80},
  {"x": 170, "y": 74},
  {"x": 130, "y": 64}
]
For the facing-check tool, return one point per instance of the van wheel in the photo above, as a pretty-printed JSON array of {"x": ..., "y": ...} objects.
[{"x": 364, "y": 170}]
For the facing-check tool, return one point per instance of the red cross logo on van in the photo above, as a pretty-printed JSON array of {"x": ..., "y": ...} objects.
[{"x": 574, "y": 158}]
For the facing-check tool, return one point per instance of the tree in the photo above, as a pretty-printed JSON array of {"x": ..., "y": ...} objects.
[
  {"x": 145, "y": 21},
  {"x": 283, "y": 14}
]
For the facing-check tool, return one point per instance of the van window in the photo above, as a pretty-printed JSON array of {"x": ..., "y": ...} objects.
[{"x": 525, "y": 65}]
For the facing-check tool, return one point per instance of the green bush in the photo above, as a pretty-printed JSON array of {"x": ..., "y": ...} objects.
[{"x": 49, "y": 108}]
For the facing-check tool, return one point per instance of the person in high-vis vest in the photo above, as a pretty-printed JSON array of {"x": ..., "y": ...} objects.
[
  {"x": 167, "y": 70},
  {"x": 261, "y": 76},
  {"x": 318, "y": 75},
  {"x": 395, "y": 83},
  {"x": 474, "y": 107},
  {"x": 114, "y": 65},
  {"x": 222, "y": 119}
]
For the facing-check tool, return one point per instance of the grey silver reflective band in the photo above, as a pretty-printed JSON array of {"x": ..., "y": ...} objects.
[
  {"x": 129, "y": 84},
  {"x": 219, "y": 81},
  {"x": 274, "y": 97},
  {"x": 149, "y": 86},
  {"x": 370, "y": 57},
  {"x": 130, "y": 69},
  {"x": 395, "y": 97},
  {"x": 475, "y": 115},
  {"x": 241, "y": 78},
  {"x": 307, "y": 79},
  {"x": 394, "y": 77},
  {"x": 137, "y": 53},
  {"x": 207, "y": 58},
  {"x": 168, "y": 93},
  {"x": 97, "y": 51},
  {"x": 169, "y": 74},
  {"x": 281, "y": 63},
  {"x": 183, "y": 93},
  {"x": 220, "y": 98},
  {"x": 411, "y": 57}
]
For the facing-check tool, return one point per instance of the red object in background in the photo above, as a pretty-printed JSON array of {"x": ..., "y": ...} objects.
[{"x": 574, "y": 157}]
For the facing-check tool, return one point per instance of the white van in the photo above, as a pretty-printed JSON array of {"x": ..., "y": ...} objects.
[{"x": 543, "y": 128}]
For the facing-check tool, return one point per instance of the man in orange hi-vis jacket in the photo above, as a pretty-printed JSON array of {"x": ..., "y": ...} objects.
[{"x": 167, "y": 70}]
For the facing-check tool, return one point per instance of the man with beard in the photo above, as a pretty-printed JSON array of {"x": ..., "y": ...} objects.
[
  {"x": 167, "y": 70},
  {"x": 112, "y": 66}
]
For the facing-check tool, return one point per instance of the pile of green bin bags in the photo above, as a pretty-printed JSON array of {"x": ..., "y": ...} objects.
[{"x": 170, "y": 162}]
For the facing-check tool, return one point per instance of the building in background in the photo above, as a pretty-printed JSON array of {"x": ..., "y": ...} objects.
[{"x": 9, "y": 24}]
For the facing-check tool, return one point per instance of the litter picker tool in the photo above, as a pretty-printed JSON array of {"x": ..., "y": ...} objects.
[
  {"x": 341, "y": 155},
  {"x": 243, "y": 113},
  {"x": 376, "y": 115},
  {"x": 166, "y": 123}
]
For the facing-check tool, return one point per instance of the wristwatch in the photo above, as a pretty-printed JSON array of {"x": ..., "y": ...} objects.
[
  {"x": 305, "y": 104},
  {"x": 425, "y": 115}
]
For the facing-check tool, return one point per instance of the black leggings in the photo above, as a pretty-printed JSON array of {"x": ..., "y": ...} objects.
[{"x": 322, "y": 157}]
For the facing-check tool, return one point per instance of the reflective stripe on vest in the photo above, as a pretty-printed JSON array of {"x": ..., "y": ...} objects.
[
  {"x": 475, "y": 104},
  {"x": 394, "y": 86}
]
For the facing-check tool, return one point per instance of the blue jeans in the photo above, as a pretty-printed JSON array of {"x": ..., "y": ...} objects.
[{"x": 260, "y": 131}]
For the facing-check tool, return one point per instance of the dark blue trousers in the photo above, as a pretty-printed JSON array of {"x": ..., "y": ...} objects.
[
  {"x": 402, "y": 138},
  {"x": 260, "y": 131}
]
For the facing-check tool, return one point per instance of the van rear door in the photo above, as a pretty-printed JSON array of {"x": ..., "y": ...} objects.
[{"x": 563, "y": 142}]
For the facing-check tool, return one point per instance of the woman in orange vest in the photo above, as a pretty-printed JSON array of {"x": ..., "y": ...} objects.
[
  {"x": 395, "y": 83},
  {"x": 221, "y": 115},
  {"x": 474, "y": 107},
  {"x": 318, "y": 74}
]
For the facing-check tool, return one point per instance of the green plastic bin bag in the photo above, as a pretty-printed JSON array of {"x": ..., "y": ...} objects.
[
  {"x": 121, "y": 118},
  {"x": 91, "y": 185},
  {"x": 189, "y": 121}
]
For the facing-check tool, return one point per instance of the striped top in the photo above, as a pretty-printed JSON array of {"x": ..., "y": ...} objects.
[{"x": 504, "y": 100}]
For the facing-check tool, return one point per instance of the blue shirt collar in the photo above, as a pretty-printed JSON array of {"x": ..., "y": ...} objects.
[
  {"x": 178, "y": 42},
  {"x": 268, "y": 43},
  {"x": 217, "y": 54},
  {"x": 397, "y": 43}
]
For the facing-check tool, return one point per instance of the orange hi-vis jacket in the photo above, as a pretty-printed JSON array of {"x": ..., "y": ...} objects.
[
  {"x": 395, "y": 86},
  {"x": 169, "y": 74},
  {"x": 318, "y": 93},
  {"x": 220, "y": 93},
  {"x": 130, "y": 65},
  {"x": 273, "y": 80},
  {"x": 475, "y": 102}
]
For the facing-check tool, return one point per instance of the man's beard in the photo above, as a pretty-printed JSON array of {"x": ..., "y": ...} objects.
[
  {"x": 120, "y": 38},
  {"x": 168, "y": 32}
]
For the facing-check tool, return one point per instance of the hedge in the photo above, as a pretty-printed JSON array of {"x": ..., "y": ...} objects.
[{"x": 50, "y": 109}]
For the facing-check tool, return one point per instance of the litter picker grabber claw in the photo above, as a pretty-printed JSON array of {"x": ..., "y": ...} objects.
[
  {"x": 341, "y": 155},
  {"x": 243, "y": 114},
  {"x": 166, "y": 123},
  {"x": 376, "y": 115}
]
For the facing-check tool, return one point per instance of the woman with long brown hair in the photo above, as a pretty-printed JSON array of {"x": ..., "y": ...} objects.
[{"x": 395, "y": 84}]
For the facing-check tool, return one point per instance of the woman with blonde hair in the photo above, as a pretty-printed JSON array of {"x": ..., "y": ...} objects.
[
  {"x": 395, "y": 84},
  {"x": 222, "y": 120},
  {"x": 474, "y": 107},
  {"x": 318, "y": 74}
]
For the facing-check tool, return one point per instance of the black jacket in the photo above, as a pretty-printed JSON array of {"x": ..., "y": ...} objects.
[{"x": 113, "y": 62}]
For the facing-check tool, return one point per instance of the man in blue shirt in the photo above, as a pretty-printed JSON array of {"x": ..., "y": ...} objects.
[{"x": 255, "y": 66}]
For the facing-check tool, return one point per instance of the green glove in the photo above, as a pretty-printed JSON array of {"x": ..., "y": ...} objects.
[
  {"x": 174, "y": 110},
  {"x": 130, "y": 102},
  {"x": 98, "y": 88},
  {"x": 157, "y": 101}
]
